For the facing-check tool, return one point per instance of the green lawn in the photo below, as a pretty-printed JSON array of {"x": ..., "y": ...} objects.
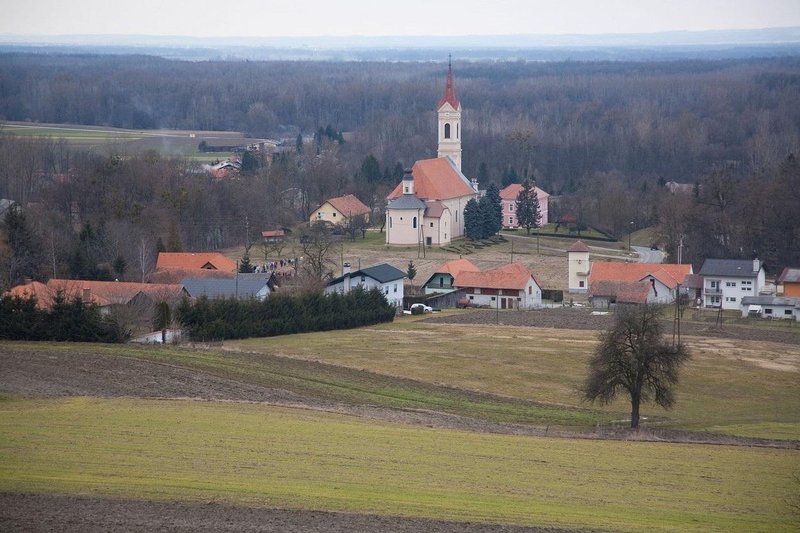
[{"x": 265, "y": 456}]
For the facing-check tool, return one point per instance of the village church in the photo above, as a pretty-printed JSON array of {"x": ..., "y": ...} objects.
[{"x": 427, "y": 207}]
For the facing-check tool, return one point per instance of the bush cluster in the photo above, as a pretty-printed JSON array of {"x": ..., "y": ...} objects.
[
  {"x": 76, "y": 321},
  {"x": 283, "y": 314}
]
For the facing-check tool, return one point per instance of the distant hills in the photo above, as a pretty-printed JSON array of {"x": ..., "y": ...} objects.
[{"x": 718, "y": 44}]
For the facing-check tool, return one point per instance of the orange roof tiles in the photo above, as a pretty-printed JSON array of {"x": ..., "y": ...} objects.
[
  {"x": 113, "y": 292},
  {"x": 349, "y": 206},
  {"x": 668, "y": 274},
  {"x": 457, "y": 265},
  {"x": 207, "y": 260},
  {"x": 511, "y": 276},
  {"x": 630, "y": 292},
  {"x": 175, "y": 275},
  {"x": 44, "y": 298},
  {"x": 436, "y": 179}
]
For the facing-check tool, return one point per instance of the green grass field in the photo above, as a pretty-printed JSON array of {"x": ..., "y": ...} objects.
[
  {"x": 744, "y": 388},
  {"x": 267, "y": 456}
]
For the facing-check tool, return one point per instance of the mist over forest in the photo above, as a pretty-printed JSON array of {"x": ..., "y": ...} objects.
[{"x": 604, "y": 136}]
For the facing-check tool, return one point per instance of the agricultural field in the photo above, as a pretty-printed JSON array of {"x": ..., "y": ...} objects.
[
  {"x": 182, "y": 143},
  {"x": 406, "y": 426}
]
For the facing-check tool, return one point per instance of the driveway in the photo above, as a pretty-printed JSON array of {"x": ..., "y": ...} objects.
[{"x": 646, "y": 255}]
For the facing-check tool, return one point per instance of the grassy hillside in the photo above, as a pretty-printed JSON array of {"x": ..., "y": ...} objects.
[
  {"x": 747, "y": 388},
  {"x": 295, "y": 458}
]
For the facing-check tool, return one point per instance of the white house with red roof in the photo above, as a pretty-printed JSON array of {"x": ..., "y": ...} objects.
[
  {"x": 660, "y": 279},
  {"x": 427, "y": 207},
  {"x": 510, "y": 286},
  {"x": 509, "y": 195},
  {"x": 338, "y": 210},
  {"x": 442, "y": 280}
]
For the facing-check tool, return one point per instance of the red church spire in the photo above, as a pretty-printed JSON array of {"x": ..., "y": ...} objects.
[{"x": 449, "y": 90}]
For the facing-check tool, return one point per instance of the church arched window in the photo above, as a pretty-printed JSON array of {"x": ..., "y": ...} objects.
[
  {"x": 458, "y": 132},
  {"x": 447, "y": 131},
  {"x": 414, "y": 222}
]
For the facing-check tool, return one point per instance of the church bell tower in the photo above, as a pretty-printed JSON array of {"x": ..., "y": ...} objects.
[{"x": 449, "y": 112}]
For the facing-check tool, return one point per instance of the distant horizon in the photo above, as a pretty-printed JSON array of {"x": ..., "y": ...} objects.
[
  {"x": 768, "y": 35},
  {"x": 388, "y": 19}
]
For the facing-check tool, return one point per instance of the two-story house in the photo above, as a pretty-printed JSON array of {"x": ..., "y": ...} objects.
[
  {"x": 508, "y": 197},
  {"x": 727, "y": 281},
  {"x": 441, "y": 281},
  {"x": 507, "y": 287}
]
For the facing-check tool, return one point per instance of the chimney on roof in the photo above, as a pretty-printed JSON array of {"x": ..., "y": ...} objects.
[
  {"x": 408, "y": 182},
  {"x": 87, "y": 295},
  {"x": 346, "y": 274}
]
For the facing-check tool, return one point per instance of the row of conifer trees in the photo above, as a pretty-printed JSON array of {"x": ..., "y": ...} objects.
[{"x": 283, "y": 314}]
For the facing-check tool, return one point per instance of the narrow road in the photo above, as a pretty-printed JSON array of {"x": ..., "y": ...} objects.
[{"x": 646, "y": 255}]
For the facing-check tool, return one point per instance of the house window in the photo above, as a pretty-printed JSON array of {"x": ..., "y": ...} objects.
[
  {"x": 431, "y": 224},
  {"x": 471, "y": 297},
  {"x": 787, "y": 312},
  {"x": 510, "y": 220},
  {"x": 493, "y": 298},
  {"x": 447, "y": 131},
  {"x": 510, "y": 208},
  {"x": 730, "y": 283},
  {"x": 730, "y": 298},
  {"x": 363, "y": 279},
  {"x": 714, "y": 285},
  {"x": 395, "y": 287},
  {"x": 580, "y": 284},
  {"x": 767, "y": 311},
  {"x": 530, "y": 289},
  {"x": 334, "y": 215},
  {"x": 390, "y": 222},
  {"x": 387, "y": 289}
]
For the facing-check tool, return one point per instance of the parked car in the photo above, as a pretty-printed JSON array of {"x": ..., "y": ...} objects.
[{"x": 425, "y": 308}]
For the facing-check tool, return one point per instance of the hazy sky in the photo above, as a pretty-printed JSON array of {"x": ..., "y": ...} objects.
[{"x": 270, "y": 18}]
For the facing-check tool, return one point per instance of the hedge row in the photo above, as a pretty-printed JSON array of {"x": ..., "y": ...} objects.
[
  {"x": 76, "y": 321},
  {"x": 282, "y": 314}
]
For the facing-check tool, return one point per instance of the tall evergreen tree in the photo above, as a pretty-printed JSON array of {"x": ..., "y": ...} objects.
[
  {"x": 528, "y": 214},
  {"x": 473, "y": 223},
  {"x": 371, "y": 169},
  {"x": 26, "y": 254},
  {"x": 494, "y": 210}
]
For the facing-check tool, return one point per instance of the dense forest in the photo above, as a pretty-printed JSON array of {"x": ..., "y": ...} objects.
[{"x": 604, "y": 136}]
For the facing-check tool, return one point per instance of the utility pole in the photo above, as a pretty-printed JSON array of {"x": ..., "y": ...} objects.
[{"x": 680, "y": 251}]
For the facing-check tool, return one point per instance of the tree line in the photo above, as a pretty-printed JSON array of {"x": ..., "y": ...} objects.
[{"x": 283, "y": 314}]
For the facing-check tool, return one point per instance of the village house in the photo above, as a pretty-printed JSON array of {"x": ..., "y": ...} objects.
[
  {"x": 510, "y": 286},
  {"x": 727, "y": 281},
  {"x": 388, "y": 279},
  {"x": 771, "y": 307},
  {"x": 427, "y": 207},
  {"x": 340, "y": 209},
  {"x": 273, "y": 235},
  {"x": 662, "y": 280},
  {"x": 103, "y": 294},
  {"x": 442, "y": 280},
  {"x": 607, "y": 292},
  {"x": 508, "y": 197},
  {"x": 789, "y": 282}
]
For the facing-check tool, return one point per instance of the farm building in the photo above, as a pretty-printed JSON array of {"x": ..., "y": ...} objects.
[
  {"x": 771, "y": 307},
  {"x": 442, "y": 280},
  {"x": 662, "y": 278},
  {"x": 789, "y": 281},
  {"x": 507, "y": 287}
]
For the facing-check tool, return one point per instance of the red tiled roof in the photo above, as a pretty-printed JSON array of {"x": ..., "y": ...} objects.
[
  {"x": 449, "y": 96},
  {"x": 207, "y": 260},
  {"x": 512, "y": 192},
  {"x": 436, "y": 179},
  {"x": 668, "y": 274},
  {"x": 579, "y": 246},
  {"x": 434, "y": 209},
  {"x": 113, "y": 292},
  {"x": 457, "y": 265},
  {"x": 44, "y": 298},
  {"x": 349, "y": 206},
  {"x": 175, "y": 275},
  {"x": 631, "y": 292},
  {"x": 511, "y": 276}
]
